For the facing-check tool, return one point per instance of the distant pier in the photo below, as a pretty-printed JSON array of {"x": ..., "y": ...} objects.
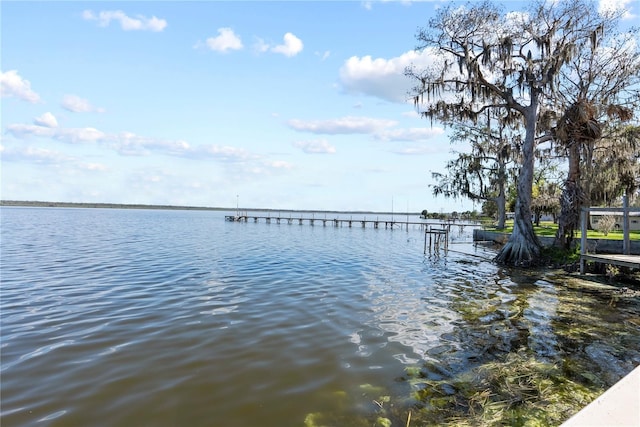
[
  {"x": 345, "y": 222},
  {"x": 436, "y": 234},
  {"x": 334, "y": 222}
]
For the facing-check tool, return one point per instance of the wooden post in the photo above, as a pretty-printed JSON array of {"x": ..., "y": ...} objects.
[
  {"x": 425, "y": 242},
  {"x": 626, "y": 244},
  {"x": 446, "y": 241},
  {"x": 583, "y": 237}
]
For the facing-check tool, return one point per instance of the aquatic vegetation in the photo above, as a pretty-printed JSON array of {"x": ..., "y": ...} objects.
[
  {"x": 554, "y": 256},
  {"x": 532, "y": 350},
  {"x": 517, "y": 390},
  {"x": 380, "y": 412}
]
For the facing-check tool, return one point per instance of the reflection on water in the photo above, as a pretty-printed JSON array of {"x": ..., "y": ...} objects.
[{"x": 116, "y": 317}]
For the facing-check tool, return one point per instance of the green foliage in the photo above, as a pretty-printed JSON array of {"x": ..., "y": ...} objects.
[{"x": 552, "y": 255}]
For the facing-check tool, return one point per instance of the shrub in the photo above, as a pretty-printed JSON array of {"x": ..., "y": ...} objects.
[{"x": 605, "y": 224}]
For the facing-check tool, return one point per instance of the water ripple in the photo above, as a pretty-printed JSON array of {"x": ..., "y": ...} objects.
[{"x": 178, "y": 318}]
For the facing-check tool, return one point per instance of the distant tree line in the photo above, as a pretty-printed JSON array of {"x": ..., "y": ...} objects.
[{"x": 466, "y": 215}]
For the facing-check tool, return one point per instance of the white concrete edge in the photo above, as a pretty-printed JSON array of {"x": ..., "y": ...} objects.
[{"x": 618, "y": 406}]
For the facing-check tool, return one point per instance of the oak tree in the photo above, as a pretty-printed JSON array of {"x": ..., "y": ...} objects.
[
  {"x": 507, "y": 62},
  {"x": 482, "y": 172},
  {"x": 598, "y": 93}
]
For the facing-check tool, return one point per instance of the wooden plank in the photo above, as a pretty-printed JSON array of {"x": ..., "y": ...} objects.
[{"x": 631, "y": 261}]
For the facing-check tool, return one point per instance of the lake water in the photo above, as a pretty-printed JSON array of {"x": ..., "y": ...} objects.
[{"x": 179, "y": 318}]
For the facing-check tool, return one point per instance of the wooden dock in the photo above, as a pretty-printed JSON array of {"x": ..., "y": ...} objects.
[
  {"x": 344, "y": 222},
  {"x": 436, "y": 235},
  {"x": 626, "y": 259},
  {"x": 631, "y": 261}
]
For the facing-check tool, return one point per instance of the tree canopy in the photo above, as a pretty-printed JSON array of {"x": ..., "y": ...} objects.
[
  {"x": 513, "y": 65},
  {"x": 482, "y": 172}
]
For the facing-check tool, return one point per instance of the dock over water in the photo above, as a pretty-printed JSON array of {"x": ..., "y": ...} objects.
[
  {"x": 346, "y": 222},
  {"x": 626, "y": 258}
]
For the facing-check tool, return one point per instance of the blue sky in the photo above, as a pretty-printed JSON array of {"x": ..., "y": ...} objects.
[{"x": 284, "y": 105}]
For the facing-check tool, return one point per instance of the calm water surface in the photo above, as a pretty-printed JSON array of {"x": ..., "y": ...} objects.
[{"x": 176, "y": 318}]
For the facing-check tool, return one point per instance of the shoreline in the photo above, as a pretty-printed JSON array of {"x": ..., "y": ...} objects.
[{"x": 90, "y": 205}]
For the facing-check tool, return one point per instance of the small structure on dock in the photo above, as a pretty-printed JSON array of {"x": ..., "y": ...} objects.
[{"x": 437, "y": 237}]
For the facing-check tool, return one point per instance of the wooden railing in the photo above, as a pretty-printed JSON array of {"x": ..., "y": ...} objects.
[{"x": 626, "y": 242}]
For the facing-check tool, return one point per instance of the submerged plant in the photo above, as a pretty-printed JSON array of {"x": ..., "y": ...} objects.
[
  {"x": 525, "y": 351},
  {"x": 518, "y": 390}
]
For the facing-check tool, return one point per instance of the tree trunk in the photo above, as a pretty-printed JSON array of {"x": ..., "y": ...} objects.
[
  {"x": 501, "y": 199},
  {"x": 570, "y": 201},
  {"x": 523, "y": 246},
  {"x": 586, "y": 187},
  {"x": 502, "y": 210}
]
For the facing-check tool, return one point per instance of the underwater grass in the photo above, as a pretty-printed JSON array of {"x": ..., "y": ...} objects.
[
  {"x": 517, "y": 391},
  {"x": 505, "y": 365}
]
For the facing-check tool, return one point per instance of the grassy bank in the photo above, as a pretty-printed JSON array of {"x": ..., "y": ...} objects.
[{"x": 549, "y": 229}]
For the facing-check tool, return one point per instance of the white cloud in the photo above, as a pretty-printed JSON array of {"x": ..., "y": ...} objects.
[
  {"x": 260, "y": 45},
  {"x": 323, "y": 55},
  {"x": 382, "y": 78},
  {"x": 225, "y": 41},
  {"x": 13, "y": 85},
  {"x": 23, "y": 131},
  {"x": 378, "y": 128},
  {"x": 36, "y": 155},
  {"x": 319, "y": 146},
  {"x": 261, "y": 169},
  {"x": 291, "y": 47},
  {"x": 79, "y": 135},
  {"x": 47, "y": 120},
  {"x": 222, "y": 153},
  {"x": 411, "y": 114},
  {"x": 93, "y": 166},
  {"x": 70, "y": 135},
  {"x": 368, "y": 4},
  {"x": 278, "y": 164},
  {"x": 127, "y": 23},
  {"x": 76, "y": 104},
  {"x": 130, "y": 144},
  {"x": 417, "y": 151},
  {"x": 605, "y": 6},
  {"x": 44, "y": 156},
  {"x": 411, "y": 134},
  {"x": 88, "y": 15},
  {"x": 344, "y": 125}
]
